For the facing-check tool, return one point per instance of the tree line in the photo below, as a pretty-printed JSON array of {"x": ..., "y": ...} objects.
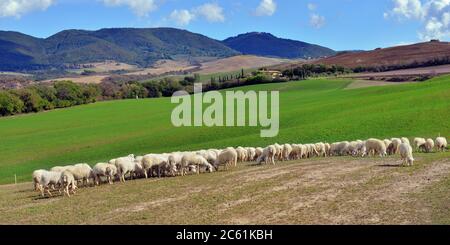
[{"x": 62, "y": 94}]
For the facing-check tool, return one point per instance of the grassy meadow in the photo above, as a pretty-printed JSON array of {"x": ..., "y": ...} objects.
[{"x": 311, "y": 111}]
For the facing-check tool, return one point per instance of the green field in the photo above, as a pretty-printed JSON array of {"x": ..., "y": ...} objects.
[{"x": 311, "y": 111}]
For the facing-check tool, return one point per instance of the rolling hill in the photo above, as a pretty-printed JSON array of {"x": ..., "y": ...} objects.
[
  {"x": 128, "y": 45},
  {"x": 266, "y": 44},
  {"x": 310, "y": 111},
  {"x": 393, "y": 56}
]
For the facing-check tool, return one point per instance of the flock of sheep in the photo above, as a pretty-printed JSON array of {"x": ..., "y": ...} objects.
[{"x": 66, "y": 179}]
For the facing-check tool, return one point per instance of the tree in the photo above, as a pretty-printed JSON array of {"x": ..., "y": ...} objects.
[
  {"x": 32, "y": 101},
  {"x": 153, "y": 89},
  {"x": 10, "y": 104},
  {"x": 68, "y": 94},
  {"x": 48, "y": 93},
  {"x": 133, "y": 90},
  {"x": 90, "y": 93}
]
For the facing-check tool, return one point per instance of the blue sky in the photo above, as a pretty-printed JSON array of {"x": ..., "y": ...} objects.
[{"x": 338, "y": 24}]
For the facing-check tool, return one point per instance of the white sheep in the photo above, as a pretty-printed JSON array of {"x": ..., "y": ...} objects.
[
  {"x": 153, "y": 162},
  {"x": 441, "y": 143},
  {"x": 242, "y": 154},
  {"x": 127, "y": 165},
  {"x": 68, "y": 182},
  {"x": 268, "y": 155},
  {"x": 278, "y": 152},
  {"x": 226, "y": 158},
  {"x": 251, "y": 154},
  {"x": 387, "y": 143},
  {"x": 259, "y": 152},
  {"x": 406, "y": 153},
  {"x": 393, "y": 147},
  {"x": 287, "y": 149},
  {"x": 428, "y": 146},
  {"x": 82, "y": 172},
  {"x": 405, "y": 140},
  {"x": 104, "y": 170},
  {"x": 49, "y": 179},
  {"x": 375, "y": 146},
  {"x": 321, "y": 149},
  {"x": 37, "y": 176},
  {"x": 418, "y": 142},
  {"x": 196, "y": 160}
]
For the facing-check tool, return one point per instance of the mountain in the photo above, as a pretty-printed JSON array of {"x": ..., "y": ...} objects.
[
  {"x": 393, "y": 56},
  {"x": 266, "y": 44},
  {"x": 128, "y": 45}
]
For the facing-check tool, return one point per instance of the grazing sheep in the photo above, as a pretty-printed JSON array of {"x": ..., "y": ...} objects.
[
  {"x": 251, "y": 154},
  {"x": 153, "y": 162},
  {"x": 68, "y": 182},
  {"x": 259, "y": 151},
  {"x": 387, "y": 143},
  {"x": 209, "y": 155},
  {"x": 278, "y": 152},
  {"x": 405, "y": 140},
  {"x": 321, "y": 149},
  {"x": 428, "y": 146},
  {"x": 268, "y": 155},
  {"x": 128, "y": 165},
  {"x": 340, "y": 148},
  {"x": 196, "y": 160},
  {"x": 37, "y": 175},
  {"x": 441, "y": 143},
  {"x": 242, "y": 154},
  {"x": 327, "y": 148},
  {"x": 82, "y": 172},
  {"x": 104, "y": 170},
  {"x": 296, "y": 152},
  {"x": 395, "y": 144},
  {"x": 49, "y": 179},
  {"x": 419, "y": 142},
  {"x": 375, "y": 146},
  {"x": 406, "y": 153},
  {"x": 287, "y": 149},
  {"x": 226, "y": 158}
]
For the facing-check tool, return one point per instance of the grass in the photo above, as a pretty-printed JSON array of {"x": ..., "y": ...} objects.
[{"x": 311, "y": 111}]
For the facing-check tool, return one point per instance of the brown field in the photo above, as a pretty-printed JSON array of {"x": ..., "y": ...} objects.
[
  {"x": 391, "y": 56},
  {"x": 108, "y": 66},
  {"x": 165, "y": 66},
  {"x": 341, "y": 190},
  {"x": 431, "y": 70},
  {"x": 96, "y": 79},
  {"x": 239, "y": 62}
]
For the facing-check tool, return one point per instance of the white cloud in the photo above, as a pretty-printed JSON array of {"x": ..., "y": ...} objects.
[
  {"x": 434, "y": 14},
  {"x": 17, "y": 8},
  {"x": 211, "y": 11},
  {"x": 140, "y": 7},
  {"x": 182, "y": 17},
  {"x": 317, "y": 21},
  {"x": 266, "y": 8},
  {"x": 312, "y": 6}
]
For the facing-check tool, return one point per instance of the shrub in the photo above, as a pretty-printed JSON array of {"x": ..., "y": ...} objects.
[{"x": 10, "y": 104}]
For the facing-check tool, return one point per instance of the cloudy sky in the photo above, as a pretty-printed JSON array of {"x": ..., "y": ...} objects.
[{"x": 339, "y": 24}]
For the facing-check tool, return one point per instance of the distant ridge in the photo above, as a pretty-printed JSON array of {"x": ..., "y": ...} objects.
[
  {"x": 266, "y": 44},
  {"x": 128, "y": 45}
]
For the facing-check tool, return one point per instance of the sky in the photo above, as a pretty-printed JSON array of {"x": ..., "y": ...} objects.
[{"x": 338, "y": 24}]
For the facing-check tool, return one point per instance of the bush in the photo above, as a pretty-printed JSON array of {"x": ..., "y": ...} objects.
[
  {"x": 10, "y": 104},
  {"x": 48, "y": 94},
  {"x": 153, "y": 89},
  {"x": 68, "y": 94},
  {"x": 133, "y": 90},
  {"x": 32, "y": 101}
]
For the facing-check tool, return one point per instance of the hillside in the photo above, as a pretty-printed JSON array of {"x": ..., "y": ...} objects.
[
  {"x": 311, "y": 111},
  {"x": 400, "y": 55},
  {"x": 266, "y": 44},
  {"x": 127, "y": 45}
]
